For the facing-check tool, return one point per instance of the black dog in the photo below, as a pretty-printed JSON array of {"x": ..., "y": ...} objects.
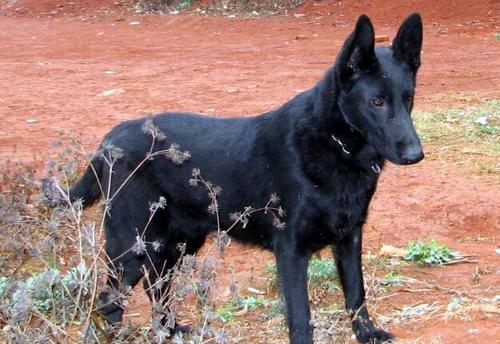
[{"x": 321, "y": 153}]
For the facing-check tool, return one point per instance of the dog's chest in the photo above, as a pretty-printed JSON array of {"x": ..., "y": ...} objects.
[{"x": 329, "y": 215}]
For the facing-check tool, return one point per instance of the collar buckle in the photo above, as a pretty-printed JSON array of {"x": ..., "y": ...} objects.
[{"x": 375, "y": 167}]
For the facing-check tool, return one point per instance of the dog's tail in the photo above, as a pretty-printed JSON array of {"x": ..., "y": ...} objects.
[{"x": 87, "y": 189}]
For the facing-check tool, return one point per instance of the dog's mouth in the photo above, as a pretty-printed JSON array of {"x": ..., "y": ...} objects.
[{"x": 414, "y": 161}]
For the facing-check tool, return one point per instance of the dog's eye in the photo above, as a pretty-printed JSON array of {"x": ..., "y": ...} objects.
[{"x": 377, "y": 102}]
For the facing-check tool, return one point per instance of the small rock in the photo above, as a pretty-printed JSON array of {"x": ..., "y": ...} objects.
[
  {"x": 134, "y": 23},
  {"x": 112, "y": 92},
  {"x": 31, "y": 121},
  {"x": 483, "y": 120},
  {"x": 256, "y": 291}
]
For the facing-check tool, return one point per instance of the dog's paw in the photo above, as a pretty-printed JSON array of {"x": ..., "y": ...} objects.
[
  {"x": 182, "y": 328},
  {"x": 110, "y": 306},
  {"x": 366, "y": 333}
]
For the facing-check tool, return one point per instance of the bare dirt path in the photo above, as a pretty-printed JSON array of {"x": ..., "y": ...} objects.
[{"x": 53, "y": 70}]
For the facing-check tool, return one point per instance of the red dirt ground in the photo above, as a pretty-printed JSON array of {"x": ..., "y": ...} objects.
[{"x": 56, "y": 58}]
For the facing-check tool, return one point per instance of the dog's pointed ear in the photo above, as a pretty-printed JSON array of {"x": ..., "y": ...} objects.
[
  {"x": 358, "y": 51},
  {"x": 408, "y": 42}
]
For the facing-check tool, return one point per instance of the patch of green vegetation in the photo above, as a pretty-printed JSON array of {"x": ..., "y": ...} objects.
[
  {"x": 276, "y": 308},
  {"x": 225, "y": 314},
  {"x": 497, "y": 35},
  {"x": 472, "y": 132},
  {"x": 238, "y": 304},
  {"x": 47, "y": 290},
  {"x": 479, "y": 122},
  {"x": 396, "y": 279},
  {"x": 457, "y": 302},
  {"x": 429, "y": 253},
  {"x": 335, "y": 309},
  {"x": 184, "y": 4},
  {"x": 4, "y": 283},
  {"x": 319, "y": 271}
]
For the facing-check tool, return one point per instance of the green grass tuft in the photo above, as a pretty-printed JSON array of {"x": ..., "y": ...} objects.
[
  {"x": 319, "y": 271},
  {"x": 468, "y": 135},
  {"x": 430, "y": 253}
]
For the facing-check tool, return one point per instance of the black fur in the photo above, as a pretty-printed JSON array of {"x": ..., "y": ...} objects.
[{"x": 321, "y": 153}]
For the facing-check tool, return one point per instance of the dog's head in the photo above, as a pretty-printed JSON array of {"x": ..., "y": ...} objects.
[{"x": 376, "y": 88}]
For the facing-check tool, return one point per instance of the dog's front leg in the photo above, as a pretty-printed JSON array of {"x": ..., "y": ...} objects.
[
  {"x": 348, "y": 256},
  {"x": 292, "y": 274}
]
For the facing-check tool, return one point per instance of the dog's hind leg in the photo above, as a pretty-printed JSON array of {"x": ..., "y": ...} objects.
[
  {"x": 157, "y": 285},
  {"x": 127, "y": 258},
  {"x": 348, "y": 257},
  {"x": 157, "y": 282},
  {"x": 123, "y": 275}
]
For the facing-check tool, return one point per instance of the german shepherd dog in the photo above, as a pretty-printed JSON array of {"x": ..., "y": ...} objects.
[{"x": 321, "y": 153}]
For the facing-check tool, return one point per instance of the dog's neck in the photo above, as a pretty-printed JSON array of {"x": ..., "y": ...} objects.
[
  {"x": 344, "y": 140},
  {"x": 350, "y": 144}
]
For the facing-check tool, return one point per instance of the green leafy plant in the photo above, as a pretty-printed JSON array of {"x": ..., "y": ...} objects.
[
  {"x": 184, "y": 4},
  {"x": 429, "y": 253},
  {"x": 239, "y": 304},
  {"x": 225, "y": 314},
  {"x": 320, "y": 270}
]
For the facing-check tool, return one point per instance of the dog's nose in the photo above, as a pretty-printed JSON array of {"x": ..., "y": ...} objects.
[{"x": 413, "y": 154}]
